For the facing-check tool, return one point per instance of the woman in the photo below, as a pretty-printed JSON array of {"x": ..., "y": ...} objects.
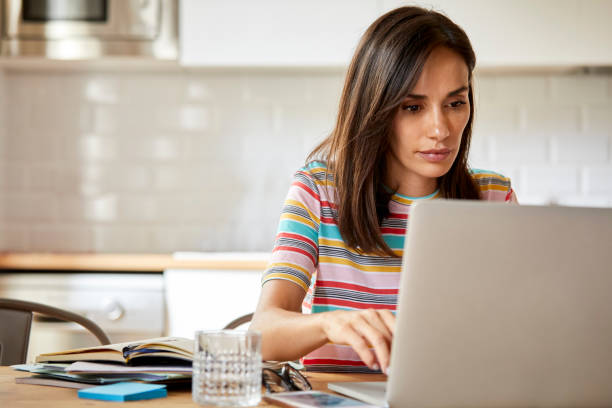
[{"x": 402, "y": 135}]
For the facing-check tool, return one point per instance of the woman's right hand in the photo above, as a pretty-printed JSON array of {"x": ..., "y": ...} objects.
[
  {"x": 361, "y": 330},
  {"x": 287, "y": 334}
]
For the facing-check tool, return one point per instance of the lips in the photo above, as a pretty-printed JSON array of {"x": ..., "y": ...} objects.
[{"x": 435, "y": 155}]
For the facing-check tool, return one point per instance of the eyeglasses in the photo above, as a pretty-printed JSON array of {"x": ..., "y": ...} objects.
[{"x": 289, "y": 379}]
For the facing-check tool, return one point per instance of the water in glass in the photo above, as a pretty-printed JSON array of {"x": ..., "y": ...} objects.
[{"x": 227, "y": 368}]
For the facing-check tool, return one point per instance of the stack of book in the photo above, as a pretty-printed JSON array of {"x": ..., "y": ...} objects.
[{"x": 161, "y": 360}]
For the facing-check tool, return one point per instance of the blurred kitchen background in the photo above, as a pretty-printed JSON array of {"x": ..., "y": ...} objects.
[{"x": 195, "y": 150}]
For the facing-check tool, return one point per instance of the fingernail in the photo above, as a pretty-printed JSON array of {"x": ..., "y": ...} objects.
[{"x": 375, "y": 367}]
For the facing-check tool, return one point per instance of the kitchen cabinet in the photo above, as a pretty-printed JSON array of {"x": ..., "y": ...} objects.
[
  {"x": 127, "y": 306},
  {"x": 208, "y": 299},
  {"x": 272, "y": 32},
  {"x": 320, "y": 33},
  {"x": 527, "y": 33},
  {"x": 129, "y": 296}
]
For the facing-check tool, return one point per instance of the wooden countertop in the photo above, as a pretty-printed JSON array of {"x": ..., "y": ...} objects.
[{"x": 130, "y": 262}]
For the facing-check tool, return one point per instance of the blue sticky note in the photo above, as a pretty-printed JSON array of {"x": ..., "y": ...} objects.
[{"x": 124, "y": 391}]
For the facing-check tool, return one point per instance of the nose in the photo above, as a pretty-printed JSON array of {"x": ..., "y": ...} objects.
[{"x": 438, "y": 125}]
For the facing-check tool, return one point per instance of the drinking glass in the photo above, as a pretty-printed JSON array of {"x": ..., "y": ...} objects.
[{"x": 227, "y": 368}]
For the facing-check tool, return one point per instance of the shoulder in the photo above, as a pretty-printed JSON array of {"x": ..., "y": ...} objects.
[
  {"x": 316, "y": 169},
  {"x": 488, "y": 177},
  {"x": 316, "y": 174},
  {"x": 493, "y": 186}
]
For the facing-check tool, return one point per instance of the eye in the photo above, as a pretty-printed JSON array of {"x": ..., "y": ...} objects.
[
  {"x": 411, "y": 108},
  {"x": 457, "y": 104}
]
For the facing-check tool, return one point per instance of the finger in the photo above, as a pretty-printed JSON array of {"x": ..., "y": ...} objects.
[
  {"x": 359, "y": 344},
  {"x": 388, "y": 319},
  {"x": 376, "y": 339},
  {"x": 375, "y": 319}
]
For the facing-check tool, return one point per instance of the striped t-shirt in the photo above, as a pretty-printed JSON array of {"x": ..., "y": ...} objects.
[{"x": 310, "y": 252}]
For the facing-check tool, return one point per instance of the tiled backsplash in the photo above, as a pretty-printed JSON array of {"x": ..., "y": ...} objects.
[{"x": 190, "y": 160}]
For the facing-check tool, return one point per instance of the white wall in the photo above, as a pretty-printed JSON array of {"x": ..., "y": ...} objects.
[
  {"x": 551, "y": 133},
  {"x": 167, "y": 161}
]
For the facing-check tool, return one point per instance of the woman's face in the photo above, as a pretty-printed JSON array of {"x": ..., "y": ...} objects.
[{"x": 428, "y": 125}]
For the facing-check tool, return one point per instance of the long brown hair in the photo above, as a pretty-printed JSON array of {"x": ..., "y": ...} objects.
[{"x": 385, "y": 68}]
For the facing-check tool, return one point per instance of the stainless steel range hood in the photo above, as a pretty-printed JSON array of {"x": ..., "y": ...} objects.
[{"x": 89, "y": 29}]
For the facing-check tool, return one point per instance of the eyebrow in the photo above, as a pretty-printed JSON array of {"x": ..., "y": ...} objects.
[{"x": 452, "y": 93}]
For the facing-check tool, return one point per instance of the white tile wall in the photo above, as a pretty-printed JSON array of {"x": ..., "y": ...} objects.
[
  {"x": 551, "y": 134},
  {"x": 188, "y": 160}
]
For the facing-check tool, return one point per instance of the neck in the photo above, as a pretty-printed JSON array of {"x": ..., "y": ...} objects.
[
  {"x": 418, "y": 189},
  {"x": 408, "y": 183}
]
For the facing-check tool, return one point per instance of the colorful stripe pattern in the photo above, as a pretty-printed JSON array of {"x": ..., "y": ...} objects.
[{"x": 310, "y": 252}]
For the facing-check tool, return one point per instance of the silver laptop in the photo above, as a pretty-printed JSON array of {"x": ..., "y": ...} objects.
[{"x": 501, "y": 305}]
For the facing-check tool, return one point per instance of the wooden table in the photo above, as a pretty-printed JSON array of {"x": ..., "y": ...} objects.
[{"x": 14, "y": 395}]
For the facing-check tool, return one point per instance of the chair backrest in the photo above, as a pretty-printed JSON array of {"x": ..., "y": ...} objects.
[
  {"x": 239, "y": 321},
  {"x": 17, "y": 315},
  {"x": 14, "y": 336}
]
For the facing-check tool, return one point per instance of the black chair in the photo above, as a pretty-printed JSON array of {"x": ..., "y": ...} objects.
[
  {"x": 239, "y": 321},
  {"x": 16, "y": 322}
]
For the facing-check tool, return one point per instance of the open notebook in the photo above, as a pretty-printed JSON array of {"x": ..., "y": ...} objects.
[{"x": 162, "y": 350}]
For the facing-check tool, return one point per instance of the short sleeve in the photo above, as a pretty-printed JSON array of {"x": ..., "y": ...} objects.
[
  {"x": 494, "y": 186},
  {"x": 511, "y": 196},
  {"x": 295, "y": 254}
]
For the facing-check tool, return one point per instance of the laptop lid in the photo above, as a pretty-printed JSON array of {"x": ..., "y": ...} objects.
[{"x": 504, "y": 305}]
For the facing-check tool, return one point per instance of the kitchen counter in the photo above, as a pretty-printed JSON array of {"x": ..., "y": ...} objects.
[{"x": 132, "y": 262}]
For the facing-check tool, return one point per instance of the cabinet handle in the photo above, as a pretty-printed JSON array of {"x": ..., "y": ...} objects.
[{"x": 115, "y": 312}]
